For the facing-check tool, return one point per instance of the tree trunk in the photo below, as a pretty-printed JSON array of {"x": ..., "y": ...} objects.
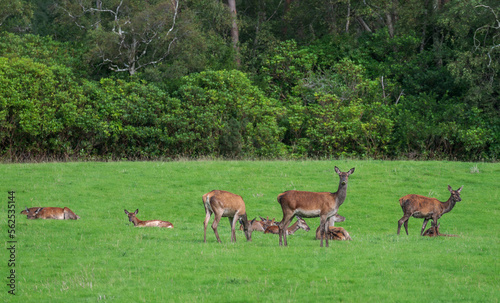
[{"x": 234, "y": 30}]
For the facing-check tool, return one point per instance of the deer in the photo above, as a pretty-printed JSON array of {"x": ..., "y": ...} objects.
[
  {"x": 56, "y": 213},
  {"x": 225, "y": 204},
  {"x": 27, "y": 210},
  {"x": 260, "y": 225},
  {"x": 311, "y": 205},
  {"x": 299, "y": 224},
  {"x": 427, "y": 208},
  {"x": 433, "y": 231},
  {"x": 331, "y": 223},
  {"x": 132, "y": 217}
]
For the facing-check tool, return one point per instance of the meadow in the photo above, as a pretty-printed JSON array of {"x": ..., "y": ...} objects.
[{"x": 103, "y": 257}]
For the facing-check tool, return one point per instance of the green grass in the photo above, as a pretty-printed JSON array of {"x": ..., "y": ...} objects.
[{"x": 103, "y": 257}]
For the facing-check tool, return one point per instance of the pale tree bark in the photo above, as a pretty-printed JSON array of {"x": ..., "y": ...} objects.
[
  {"x": 133, "y": 40},
  {"x": 235, "y": 34}
]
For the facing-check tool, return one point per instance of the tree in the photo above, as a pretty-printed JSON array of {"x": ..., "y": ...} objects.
[{"x": 129, "y": 35}]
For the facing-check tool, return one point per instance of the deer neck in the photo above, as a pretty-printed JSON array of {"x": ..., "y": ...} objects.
[
  {"x": 293, "y": 228},
  {"x": 136, "y": 221},
  {"x": 448, "y": 205},
  {"x": 341, "y": 194}
]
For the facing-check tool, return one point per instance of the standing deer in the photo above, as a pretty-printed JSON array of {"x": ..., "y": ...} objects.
[
  {"x": 56, "y": 213},
  {"x": 225, "y": 204},
  {"x": 299, "y": 224},
  {"x": 312, "y": 204},
  {"x": 427, "y": 208},
  {"x": 148, "y": 223}
]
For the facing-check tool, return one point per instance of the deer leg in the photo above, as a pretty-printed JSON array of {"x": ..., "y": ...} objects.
[
  {"x": 283, "y": 227},
  {"x": 323, "y": 223},
  {"x": 217, "y": 218},
  {"x": 424, "y": 225},
  {"x": 232, "y": 222},
  {"x": 208, "y": 213},
  {"x": 404, "y": 220}
]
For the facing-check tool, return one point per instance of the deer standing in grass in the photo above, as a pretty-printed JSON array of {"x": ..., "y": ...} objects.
[
  {"x": 426, "y": 208},
  {"x": 312, "y": 204},
  {"x": 149, "y": 223},
  {"x": 299, "y": 224},
  {"x": 225, "y": 204}
]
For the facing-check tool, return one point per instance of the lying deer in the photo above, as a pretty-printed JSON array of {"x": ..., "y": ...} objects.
[
  {"x": 312, "y": 204},
  {"x": 225, "y": 204},
  {"x": 334, "y": 233},
  {"x": 331, "y": 223},
  {"x": 260, "y": 225},
  {"x": 433, "y": 231},
  {"x": 56, "y": 213},
  {"x": 149, "y": 223},
  {"x": 426, "y": 208},
  {"x": 299, "y": 224}
]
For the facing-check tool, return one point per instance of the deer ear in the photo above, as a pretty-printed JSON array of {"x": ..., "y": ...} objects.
[
  {"x": 126, "y": 212},
  {"x": 460, "y": 189},
  {"x": 337, "y": 170},
  {"x": 449, "y": 188},
  {"x": 350, "y": 171}
]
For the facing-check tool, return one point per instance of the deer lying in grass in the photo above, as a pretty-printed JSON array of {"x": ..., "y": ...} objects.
[
  {"x": 56, "y": 213},
  {"x": 260, "y": 225},
  {"x": 426, "y": 208},
  {"x": 225, "y": 204},
  {"x": 433, "y": 231},
  {"x": 312, "y": 204},
  {"x": 299, "y": 224},
  {"x": 334, "y": 233},
  {"x": 149, "y": 223}
]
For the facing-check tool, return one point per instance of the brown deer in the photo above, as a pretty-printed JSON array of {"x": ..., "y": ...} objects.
[
  {"x": 337, "y": 233},
  {"x": 433, "y": 231},
  {"x": 426, "y": 208},
  {"x": 312, "y": 204},
  {"x": 334, "y": 233},
  {"x": 225, "y": 204},
  {"x": 56, "y": 213},
  {"x": 299, "y": 224},
  {"x": 260, "y": 225},
  {"x": 27, "y": 210},
  {"x": 148, "y": 223}
]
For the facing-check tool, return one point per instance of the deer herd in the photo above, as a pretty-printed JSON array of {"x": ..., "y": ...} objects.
[{"x": 294, "y": 204}]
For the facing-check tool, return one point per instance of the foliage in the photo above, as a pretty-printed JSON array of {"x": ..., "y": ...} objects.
[{"x": 321, "y": 78}]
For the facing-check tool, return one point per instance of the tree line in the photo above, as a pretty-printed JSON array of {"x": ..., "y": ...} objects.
[{"x": 135, "y": 79}]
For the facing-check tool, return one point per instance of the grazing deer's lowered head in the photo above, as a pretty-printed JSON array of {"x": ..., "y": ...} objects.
[{"x": 225, "y": 204}]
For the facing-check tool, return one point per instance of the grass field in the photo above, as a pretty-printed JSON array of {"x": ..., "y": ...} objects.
[{"x": 103, "y": 257}]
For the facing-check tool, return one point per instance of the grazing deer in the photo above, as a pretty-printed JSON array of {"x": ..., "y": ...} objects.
[
  {"x": 225, "y": 204},
  {"x": 331, "y": 223},
  {"x": 312, "y": 204},
  {"x": 149, "y": 223},
  {"x": 299, "y": 224},
  {"x": 426, "y": 208},
  {"x": 56, "y": 213}
]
